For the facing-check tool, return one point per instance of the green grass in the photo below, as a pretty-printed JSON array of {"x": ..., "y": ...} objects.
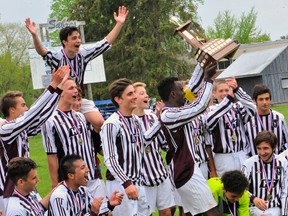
[{"x": 39, "y": 156}]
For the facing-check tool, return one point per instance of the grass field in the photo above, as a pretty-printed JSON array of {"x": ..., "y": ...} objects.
[{"x": 39, "y": 156}]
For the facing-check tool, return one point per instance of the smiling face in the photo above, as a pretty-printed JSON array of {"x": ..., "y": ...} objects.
[
  {"x": 265, "y": 151},
  {"x": 72, "y": 44},
  {"x": 263, "y": 102},
  {"x": 221, "y": 91},
  {"x": 30, "y": 183},
  {"x": 127, "y": 101},
  {"x": 70, "y": 93},
  {"x": 142, "y": 97},
  {"x": 19, "y": 109},
  {"x": 80, "y": 176}
]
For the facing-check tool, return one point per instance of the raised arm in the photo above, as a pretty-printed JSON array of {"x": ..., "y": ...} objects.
[
  {"x": 120, "y": 19},
  {"x": 39, "y": 112},
  {"x": 32, "y": 28}
]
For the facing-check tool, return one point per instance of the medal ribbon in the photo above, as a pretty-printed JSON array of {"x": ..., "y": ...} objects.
[
  {"x": 135, "y": 137},
  {"x": 25, "y": 143},
  {"x": 269, "y": 185},
  {"x": 78, "y": 202},
  {"x": 261, "y": 122},
  {"x": 234, "y": 213},
  {"x": 72, "y": 121},
  {"x": 75, "y": 71},
  {"x": 196, "y": 130},
  {"x": 229, "y": 121},
  {"x": 36, "y": 208}
]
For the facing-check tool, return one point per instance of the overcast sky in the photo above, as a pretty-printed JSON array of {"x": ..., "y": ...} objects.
[{"x": 272, "y": 15}]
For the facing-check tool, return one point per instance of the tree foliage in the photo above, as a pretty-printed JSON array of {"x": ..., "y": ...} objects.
[
  {"x": 146, "y": 49},
  {"x": 243, "y": 29},
  {"x": 14, "y": 60}
]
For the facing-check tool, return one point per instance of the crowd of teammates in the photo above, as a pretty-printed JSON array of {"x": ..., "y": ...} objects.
[{"x": 225, "y": 158}]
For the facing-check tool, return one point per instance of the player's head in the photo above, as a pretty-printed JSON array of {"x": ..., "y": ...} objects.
[
  {"x": 141, "y": 94},
  {"x": 68, "y": 31},
  {"x": 171, "y": 90},
  {"x": 265, "y": 142},
  {"x": 22, "y": 171},
  {"x": 73, "y": 169},
  {"x": 220, "y": 90},
  {"x": 122, "y": 93},
  {"x": 12, "y": 104},
  {"x": 234, "y": 183},
  {"x": 262, "y": 98},
  {"x": 69, "y": 94}
]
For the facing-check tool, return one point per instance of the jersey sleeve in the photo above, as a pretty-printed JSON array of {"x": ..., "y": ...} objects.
[
  {"x": 39, "y": 112},
  {"x": 108, "y": 133},
  {"x": 48, "y": 137},
  {"x": 214, "y": 115},
  {"x": 176, "y": 117}
]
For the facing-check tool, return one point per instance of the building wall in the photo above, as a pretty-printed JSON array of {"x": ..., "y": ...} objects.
[
  {"x": 247, "y": 84},
  {"x": 273, "y": 76}
]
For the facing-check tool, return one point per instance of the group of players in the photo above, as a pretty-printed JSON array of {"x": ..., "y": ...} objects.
[{"x": 212, "y": 154}]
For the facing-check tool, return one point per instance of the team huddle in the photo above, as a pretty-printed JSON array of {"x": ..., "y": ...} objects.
[{"x": 227, "y": 157}]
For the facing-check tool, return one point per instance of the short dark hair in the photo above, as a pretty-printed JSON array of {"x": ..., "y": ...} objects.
[
  {"x": 117, "y": 88},
  {"x": 65, "y": 32},
  {"x": 266, "y": 136},
  {"x": 67, "y": 166},
  {"x": 8, "y": 100},
  {"x": 19, "y": 168},
  {"x": 260, "y": 89},
  {"x": 234, "y": 181},
  {"x": 165, "y": 87}
]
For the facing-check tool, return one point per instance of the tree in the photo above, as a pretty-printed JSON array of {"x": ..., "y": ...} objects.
[
  {"x": 146, "y": 49},
  {"x": 242, "y": 29},
  {"x": 15, "y": 39}
]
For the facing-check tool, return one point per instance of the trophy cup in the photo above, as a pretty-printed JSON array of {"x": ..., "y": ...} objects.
[{"x": 207, "y": 51}]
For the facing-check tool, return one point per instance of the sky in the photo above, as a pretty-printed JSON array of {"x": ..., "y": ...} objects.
[{"x": 272, "y": 15}]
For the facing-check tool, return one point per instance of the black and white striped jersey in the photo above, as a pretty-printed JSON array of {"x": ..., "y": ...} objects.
[
  {"x": 226, "y": 121},
  {"x": 178, "y": 129},
  {"x": 123, "y": 143},
  {"x": 79, "y": 63},
  {"x": 14, "y": 134},
  {"x": 66, "y": 133},
  {"x": 64, "y": 201},
  {"x": 267, "y": 179},
  {"x": 273, "y": 122},
  {"x": 30, "y": 205},
  {"x": 154, "y": 171},
  {"x": 202, "y": 138}
]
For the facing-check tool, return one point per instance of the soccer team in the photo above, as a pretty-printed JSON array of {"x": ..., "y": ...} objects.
[{"x": 224, "y": 158}]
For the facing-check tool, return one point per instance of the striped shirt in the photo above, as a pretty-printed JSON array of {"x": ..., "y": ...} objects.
[
  {"x": 274, "y": 122},
  {"x": 178, "y": 129},
  {"x": 66, "y": 133},
  {"x": 13, "y": 135},
  {"x": 201, "y": 137},
  {"x": 154, "y": 171},
  {"x": 276, "y": 172},
  {"x": 19, "y": 205},
  {"x": 64, "y": 202},
  {"x": 79, "y": 63},
  {"x": 123, "y": 143},
  {"x": 226, "y": 120}
]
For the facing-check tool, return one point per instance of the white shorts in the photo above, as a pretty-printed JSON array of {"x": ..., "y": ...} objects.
[
  {"x": 204, "y": 170},
  {"x": 88, "y": 106},
  {"x": 254, "y": 211},
  {"x": 160, "y": 197},
  {"x": 97, "y": 188},
  {"x": 196, "y": 195},
  {"x": 229, "y": 161},
  {"x": 129, "y": 207}
]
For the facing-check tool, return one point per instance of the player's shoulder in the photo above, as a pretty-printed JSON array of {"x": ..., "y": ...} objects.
[
  {"x": 250, "y": 161},
  {"x": 281, "y": 116}
]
